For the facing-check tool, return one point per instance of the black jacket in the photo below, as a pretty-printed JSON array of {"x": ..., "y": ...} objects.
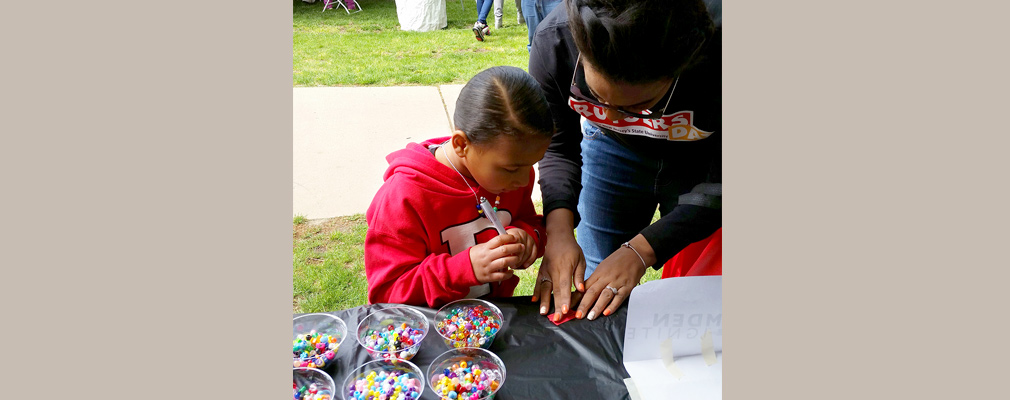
[{"x": 697, "y": 215}]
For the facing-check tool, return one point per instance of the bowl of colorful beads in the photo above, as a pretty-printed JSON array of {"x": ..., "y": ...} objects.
[
  {"x": 393, "y": 333},
  {"x": 466, "y": 373},
  {"x": 468, "y": 323},
  {"x": 317, "y": 337},
  {"x": 384, "y": 379},
  {"x": 313, "y": 384}
]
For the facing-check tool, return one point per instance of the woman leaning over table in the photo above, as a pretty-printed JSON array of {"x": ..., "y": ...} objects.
[{"x": 635, "y": 92}]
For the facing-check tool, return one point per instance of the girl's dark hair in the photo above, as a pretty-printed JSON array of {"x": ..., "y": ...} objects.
[
  {"x": 502, "y": 100},
  {"x": 639, "y": 41}
]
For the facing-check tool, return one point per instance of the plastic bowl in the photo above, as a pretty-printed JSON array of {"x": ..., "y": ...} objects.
[
  {"x": 375, "y": 333},
  {"x": 313, "y": 384},
  {"x": 469, "y": 330},
  {"x": 445, "y": 367},
  {"x": 308, "y": 350},
  {"x": 403, "y": 372}
]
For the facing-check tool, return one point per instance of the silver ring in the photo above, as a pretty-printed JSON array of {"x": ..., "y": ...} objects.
[
  {"x": 612, "y": 289},
  {"x": 546, "y": 279}
]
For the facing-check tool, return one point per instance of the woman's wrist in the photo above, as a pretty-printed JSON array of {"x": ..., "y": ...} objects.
[
  {"x": 640, "y": 246},
  {"x": 560, "y": 222}
]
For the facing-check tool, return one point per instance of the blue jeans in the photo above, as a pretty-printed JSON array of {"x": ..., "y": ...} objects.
[
  {"x": 534, "y": 11},
  {"x": 620, "y": 192},
  {"x": 483, "y": 8}
]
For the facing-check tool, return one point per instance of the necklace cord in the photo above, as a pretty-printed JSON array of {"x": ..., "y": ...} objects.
[{"x": 444, "y": 151}]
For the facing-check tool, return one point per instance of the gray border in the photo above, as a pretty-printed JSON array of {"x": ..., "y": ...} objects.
[{"x": 146, "y": 157}]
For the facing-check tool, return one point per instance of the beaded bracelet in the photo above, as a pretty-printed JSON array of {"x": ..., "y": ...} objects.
[{"x": 628, "y": 245}]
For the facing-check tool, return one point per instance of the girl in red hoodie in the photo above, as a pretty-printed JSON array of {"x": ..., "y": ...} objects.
[{"x": 427, "y": 242}]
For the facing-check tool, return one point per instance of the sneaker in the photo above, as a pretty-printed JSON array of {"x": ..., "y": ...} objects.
[
  {"x": 478, "y": 31},
  {"x": 487, "y": 31},
  {"x": 498, "y": 22}
]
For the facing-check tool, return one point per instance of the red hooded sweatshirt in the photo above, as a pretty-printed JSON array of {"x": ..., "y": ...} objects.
[{"x": 421, "y": 225}]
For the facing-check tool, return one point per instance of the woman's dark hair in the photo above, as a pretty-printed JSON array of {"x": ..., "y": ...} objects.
[
  {"x": 502, "y": 100},
  {"x": 639, "y": 41}
]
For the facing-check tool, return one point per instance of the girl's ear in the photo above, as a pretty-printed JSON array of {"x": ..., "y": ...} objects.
[{"x": 460, "y": 143}]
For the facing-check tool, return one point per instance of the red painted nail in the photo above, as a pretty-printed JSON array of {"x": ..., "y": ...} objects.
[
  {"x": 578, "y": 314},
  {"x": 606, "y": 313}
]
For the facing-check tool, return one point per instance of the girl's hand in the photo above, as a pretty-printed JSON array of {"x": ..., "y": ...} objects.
[
  {"x": 530, "y": 248},
  {"x": 492, "y": 260}
]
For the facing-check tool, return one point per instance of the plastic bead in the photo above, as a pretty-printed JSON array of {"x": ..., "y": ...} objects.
[
  {"x": 459, "y": 382},
  {"x": 469, "y": 326},
  {"x": 313, "y": 347}
]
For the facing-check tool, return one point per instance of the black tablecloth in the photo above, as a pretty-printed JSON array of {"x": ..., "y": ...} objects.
[{"x": 579, "y": 359}]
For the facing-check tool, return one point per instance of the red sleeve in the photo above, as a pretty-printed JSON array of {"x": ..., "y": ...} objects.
[
  {"x": 528, "y": 220},
  {"x": 399, "y": 264},
  {"x": 400, "y": 271}
]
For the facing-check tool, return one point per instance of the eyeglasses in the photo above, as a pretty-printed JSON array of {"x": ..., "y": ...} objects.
[{"x": 577, "y": 93}]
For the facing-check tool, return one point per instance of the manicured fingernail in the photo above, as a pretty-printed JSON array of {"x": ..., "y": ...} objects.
[
  {"x": 592, "y": 315},
  {"x": 557, "y": 317},
  {"x": 578, "y": 314},
  {"x": 543, "y": 310},
  {"x": 606, "y": 313},
  {"x": 582, "y": 287},
  {"x": 533, "y": 299},
  {"x": 564, "y": 309}
]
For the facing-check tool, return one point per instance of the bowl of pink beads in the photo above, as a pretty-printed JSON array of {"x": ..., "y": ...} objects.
[
  {"x": 313, "y": 384},
  {"x": 468, "y": 323},
  {"x": 393, "y": 333},
  {"x": 317, "y": 337},
  {"x": 466, "y": 374},
  {"x": 384, "y": 379}
]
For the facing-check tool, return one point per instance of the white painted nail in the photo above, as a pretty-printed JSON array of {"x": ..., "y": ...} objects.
[
  {"x": 543, "y": 310},
  {"x": 592, "y": 315}
]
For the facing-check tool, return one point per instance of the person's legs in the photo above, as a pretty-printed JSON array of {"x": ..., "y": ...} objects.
[
  {"x": 483, "y": 8},
  {"x": 520, "y": 20},
  {"x": 535, "y": 11},
  {"x": 618, "y": 195},
  {"x": 545, "y": 7},
  {"x": 498, "y": 13},
  {"x": 529, "y": 10}
]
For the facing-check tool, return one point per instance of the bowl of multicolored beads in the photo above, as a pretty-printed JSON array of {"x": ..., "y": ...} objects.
[
  {"x": 313, "y": 384},
  {"x": 393, "y": 333},
  {"x": 317, "y": 337},
  {"x": 384, "y": 379},
  {"x": 468, "y": 323},
  {"x": 466, "y": 374}
]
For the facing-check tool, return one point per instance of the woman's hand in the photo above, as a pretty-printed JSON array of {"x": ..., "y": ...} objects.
[
  {"x": 530, "y": 248},
  {"x": 492, "y": 260},
  {"x": 563, "y": 260},
  {"x": 622, "y": 271}
]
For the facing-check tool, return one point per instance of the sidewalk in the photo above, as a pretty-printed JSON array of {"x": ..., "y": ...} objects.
[{"x": 342, "y": 136}]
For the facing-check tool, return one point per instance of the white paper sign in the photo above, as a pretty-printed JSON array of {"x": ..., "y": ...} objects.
[{"x": 673, "y": 338}]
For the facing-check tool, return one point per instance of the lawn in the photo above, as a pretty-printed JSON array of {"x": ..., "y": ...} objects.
[
  {"x": 368, "y": 48},
  {"x": 329, "y": 265}
]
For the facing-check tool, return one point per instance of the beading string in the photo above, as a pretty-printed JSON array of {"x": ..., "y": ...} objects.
[{"x": 497, "y": 198}]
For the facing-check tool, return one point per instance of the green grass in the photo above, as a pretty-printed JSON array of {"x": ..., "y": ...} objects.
[
  {"x": 329, "y": 265},
  {"x": 368, "y": 48}
]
